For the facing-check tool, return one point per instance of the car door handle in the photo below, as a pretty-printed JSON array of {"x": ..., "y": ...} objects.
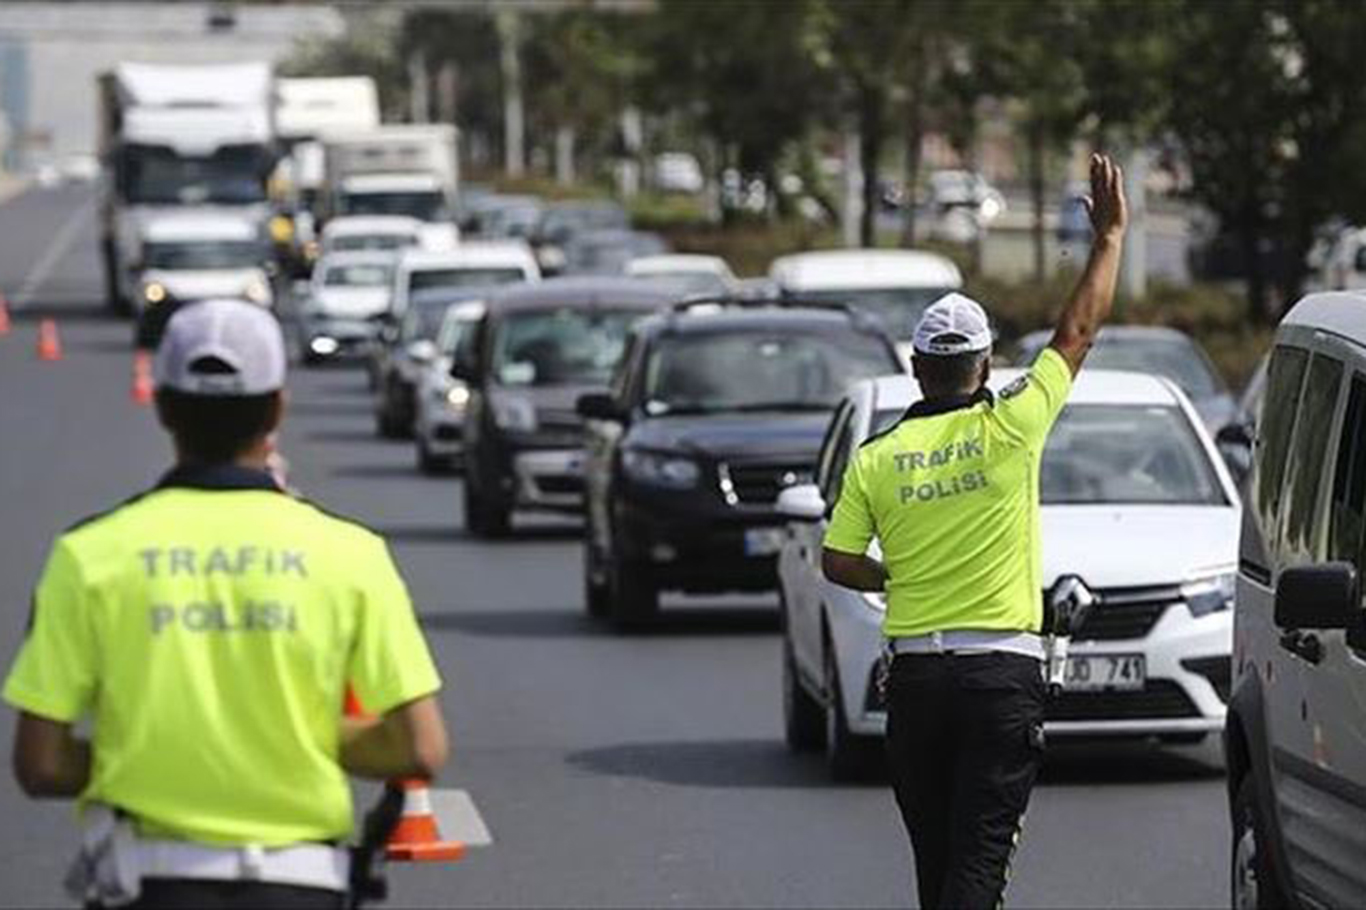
[{"x": 1304, "y": 645}]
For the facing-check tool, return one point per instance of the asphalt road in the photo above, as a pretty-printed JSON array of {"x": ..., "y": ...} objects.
[{"x": 612, "y": 771}]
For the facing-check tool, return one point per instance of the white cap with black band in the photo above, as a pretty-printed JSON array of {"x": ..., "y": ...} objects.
[
  {"x": 221, "y": 348},
  {"x": 953, "y": 324}
]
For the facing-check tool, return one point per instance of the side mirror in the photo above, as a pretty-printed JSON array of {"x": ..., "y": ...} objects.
[
  {"x": 422, "y": 351},
  {"x": 1235, "y": 442},
  {"x": 801, "y": 503},
  {"x": 1323, "y": 596},
  {"x": 599, "y": 406}
]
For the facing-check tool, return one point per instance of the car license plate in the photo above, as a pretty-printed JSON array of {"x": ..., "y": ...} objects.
[
  {"x": 1105, "y": 671},
  {"x": 763, "y": 541}
]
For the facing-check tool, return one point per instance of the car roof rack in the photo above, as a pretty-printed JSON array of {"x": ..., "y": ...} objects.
[{"x": 860, "y": 317}]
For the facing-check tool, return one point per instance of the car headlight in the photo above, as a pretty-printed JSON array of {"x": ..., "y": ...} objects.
[
  {"x": 457, "y": 396},
  {"x": 659, "y": 470},
  {"x": 154, "y": 292},
  {"x": 516, "y": 414},
  {"x": 1209, "y": 595},
  {"x": 257, "y": 292}
]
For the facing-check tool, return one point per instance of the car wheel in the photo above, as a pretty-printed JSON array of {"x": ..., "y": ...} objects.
[
  {"x": 428, "y": 463},
  {"x": 1254, "y": 882},
  {"x": 597, "y": 596},
  {"x": 484, "y": 516},
  {"x": 848, "y": 756},
  {"x": 803, "y": 717},
  {"x": 634, "y": 597}
]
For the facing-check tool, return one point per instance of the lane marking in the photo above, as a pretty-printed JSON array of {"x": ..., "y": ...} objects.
[{"x": 61, "y": 245}]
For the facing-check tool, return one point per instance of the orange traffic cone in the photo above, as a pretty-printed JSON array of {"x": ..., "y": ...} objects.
[
  {"x": 141, "y": 392},
  {"x": 4, "y": 315},
  {"x": 49, "y": 345},
  {"x": 416, "y": 838}
]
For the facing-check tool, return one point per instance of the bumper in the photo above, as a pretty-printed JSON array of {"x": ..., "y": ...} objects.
[
  {"x": 323, "y": 338},
  {"x": 1187, "y": 661},
  {"x": 441, "y": 429},
  {"x": 548, "y": 479},
  {"x": 698, "y": 549}
]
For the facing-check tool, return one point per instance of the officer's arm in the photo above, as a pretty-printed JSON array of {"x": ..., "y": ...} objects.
[
  {"x": 1094, "y": 295},
  {"x": 408, "y": 741},
  {"x": 849, "y": 570},
  {"x": 49, "y": 759}
]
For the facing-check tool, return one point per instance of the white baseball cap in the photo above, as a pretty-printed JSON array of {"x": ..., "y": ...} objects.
[
  {"x": 953, "y": 324},
  {"x": 221, "y": 348}
]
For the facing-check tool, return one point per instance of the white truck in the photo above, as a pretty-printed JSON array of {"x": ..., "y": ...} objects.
[
  {"x": 176, "y": 136},
  {"x": 308, "y": 111},
  {"x": 401, "y": 169}
]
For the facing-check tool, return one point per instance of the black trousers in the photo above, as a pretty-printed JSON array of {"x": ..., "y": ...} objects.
[
  {"x": 177, "y": 893},
  {"x": 964, "y": 743}
]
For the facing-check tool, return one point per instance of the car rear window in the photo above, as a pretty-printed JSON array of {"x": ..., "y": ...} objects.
[
  {"x": 760, "y": 369},
  {"x": 425, "y": 279}
]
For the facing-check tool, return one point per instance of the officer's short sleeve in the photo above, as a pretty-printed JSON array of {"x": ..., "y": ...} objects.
[
  {"x": 56, "y": 672},
  {"x": 1029, "y": 405},
  {"x": 390, "y": 662},
  {"x": 851, "y": 526}
]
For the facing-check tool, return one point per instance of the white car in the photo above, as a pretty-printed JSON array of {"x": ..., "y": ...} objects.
[
  {"x": 894, "y": 285},
  {"x": 692, "y": 272},
  {"x": 476, "y": 264},
  {"x": 439, "y": 423},
  {"x": 195, "y": 255},
  {"x": 346, "y": 295},
  {"x": 356, "y": 233},
  {"x": 1137, "y": 505}
]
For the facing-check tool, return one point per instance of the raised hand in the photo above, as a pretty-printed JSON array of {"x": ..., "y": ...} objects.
[{"x": 1106, "y": 206}]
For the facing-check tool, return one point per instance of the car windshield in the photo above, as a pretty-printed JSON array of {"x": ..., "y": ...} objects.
[
  {"x": 358, "y": 275},
  {"x": 204, "y": 254},
  {"x": 564, "y": 346},
  {"x": 898, "y": 308},
  {"x": 453, "y": 329},
  {"x": 1175, "y": 358},
  {"x": 372, "y": 242},
  {"x": 769, "y": 369},
  {"x": 1102, "y": 454},
  {"x": 424, "y": 205},
  {"x": 423, "y": 319},
  {"x": 427, "y": 279}
]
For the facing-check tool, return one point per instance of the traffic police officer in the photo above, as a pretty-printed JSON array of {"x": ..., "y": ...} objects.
[
  {"x": 951, "y": 492},
  {"x": 209, "y": 628}
]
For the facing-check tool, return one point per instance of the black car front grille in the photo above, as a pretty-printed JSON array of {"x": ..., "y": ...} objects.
[
  {"x": 1159, "y": 698},
  {"x": 1126, "y": 613},
  {"x": 555, "y": 484},
  {"x": 760, "y": 484}
]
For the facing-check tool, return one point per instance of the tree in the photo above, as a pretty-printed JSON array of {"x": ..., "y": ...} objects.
[
  {"x": 1268, "y": 101},
  {"x": 742, "y": 70}
]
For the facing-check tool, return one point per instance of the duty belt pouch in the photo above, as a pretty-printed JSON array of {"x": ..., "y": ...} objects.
[{"x": 106, "y": 869}]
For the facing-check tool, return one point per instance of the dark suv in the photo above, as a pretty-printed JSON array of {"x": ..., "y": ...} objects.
[
  {"x": 714, "y": 411},
  {"x": 536, "y": 351}
]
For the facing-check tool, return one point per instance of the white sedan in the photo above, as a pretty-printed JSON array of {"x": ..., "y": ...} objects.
[{"x": 1137, "y": 504}]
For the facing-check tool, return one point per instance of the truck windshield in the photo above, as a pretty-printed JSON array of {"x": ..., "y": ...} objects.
[
  {"x": 566, "y": 346},
  {"x": 158, "y": 176},
  {"x": 759, "y": 370},
  {"x": 203, "y": 254},
  {"x": 358, "y": 275},
  {"x": 424, "y": 206}
]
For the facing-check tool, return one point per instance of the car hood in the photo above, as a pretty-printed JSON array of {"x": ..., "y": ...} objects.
[
  {"x": 1135, "y": 546},
  {"x": 1217, "y": 411},
  {"x": 196, "y": 284},
  {"x": 554, "y": 404},
  {"x": 777, "y": 435},
  {"x": 354, "y": 303}
]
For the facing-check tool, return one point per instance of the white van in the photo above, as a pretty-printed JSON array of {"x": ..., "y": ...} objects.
[
  {"x": 1296, "y": 734},
  {"x": 475, "y": 264},
  {"x": 894, "y": 285}
]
